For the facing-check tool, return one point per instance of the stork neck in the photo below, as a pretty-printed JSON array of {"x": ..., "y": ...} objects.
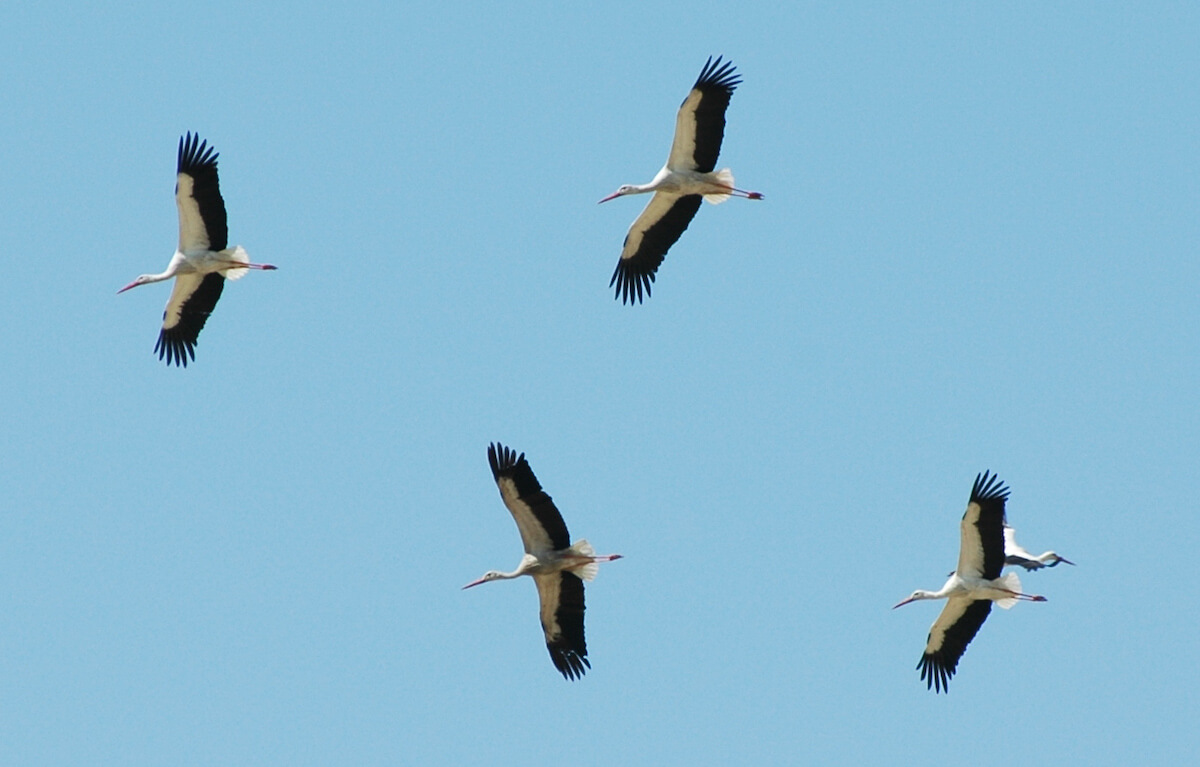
[
  {"x": 955, "y": 583},
  {"x": 174, "y": 267}
]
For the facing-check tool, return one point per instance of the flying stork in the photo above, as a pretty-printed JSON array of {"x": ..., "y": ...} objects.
[
  {"x": 973, "y": 586},
  {"x": 558, "y": 567},
  {"x": 202, "y": 262},
  {"x": 686, "y": 178}
]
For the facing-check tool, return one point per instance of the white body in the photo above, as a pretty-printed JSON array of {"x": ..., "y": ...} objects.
[
  {"x": 716, "y": 186},
  {"x": 1004, "y": 591},
  {"x": 580, "y": 559}
]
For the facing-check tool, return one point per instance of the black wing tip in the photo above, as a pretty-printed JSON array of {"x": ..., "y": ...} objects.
[
  {"x": 570, "y": 663},
  {"x": 630, "y": 283},
  {"x": 988, "y": 487},
  {"x": 504, "y": 459},
  {"x": 718, "y": 75},
  {"x": 175, "y": 349},
  {"x": 506, "y": 463},
  {"x": 195, "y": 154},
  {"x": 935, "y": 672}
]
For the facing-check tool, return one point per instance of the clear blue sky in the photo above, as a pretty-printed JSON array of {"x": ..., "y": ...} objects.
[{"x": 978, "y": 251}]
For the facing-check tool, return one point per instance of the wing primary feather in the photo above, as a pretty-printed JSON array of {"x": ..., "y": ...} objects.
[
  {"x": 716, "y": 76},
  {"x": 988, "y": 487}
]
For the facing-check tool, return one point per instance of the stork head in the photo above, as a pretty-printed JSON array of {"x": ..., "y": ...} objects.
[
  {"x": 490, "y": 575},
  {"x": 621, "y": 192},
  {"x": 916, "y": 595},
  {"x": 1055, "y": 559}
]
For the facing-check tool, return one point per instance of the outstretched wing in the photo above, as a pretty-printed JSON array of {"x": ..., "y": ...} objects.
[
  {"x": 700, "y": 123},
  {"x": 953, "y": 630},
  {"x": 981, "y": 549},
  {"x": 202, "y": 223},
  {"x": 541, "y": 525},
  {"x": 653, "y": 233},
  {"x": 561, "y": 597},
  {"x": 192, "y": 300}
]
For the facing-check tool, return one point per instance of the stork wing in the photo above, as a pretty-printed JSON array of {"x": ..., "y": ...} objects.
[
  {"x": 700, "y": 124},
  {"x": 192, "y": 300},
  {"x": 561, "y": 597},
  {"x": 202, "y": 223},
  {"x": 981, "y": 551},
  {"x": 1015, "y": 554},
  {"x": 948, "y": 639},
  {"x": 542, "y": 527},
  {"x": 653, "y": 233}
]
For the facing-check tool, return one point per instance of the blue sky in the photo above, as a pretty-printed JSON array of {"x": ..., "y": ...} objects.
[{"x": 978, "y": 251}]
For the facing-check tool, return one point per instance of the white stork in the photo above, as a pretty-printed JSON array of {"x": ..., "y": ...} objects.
[
  {"x": 202, "y": 262},
  {"x": 973, "y": 586},
  {"x": 1016, "y": 555},
  {"x": 686, "y": 178},
  {"x": 558, "y": 568}
]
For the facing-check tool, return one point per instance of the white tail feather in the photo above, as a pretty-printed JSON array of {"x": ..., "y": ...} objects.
[
  {"x": 1012, "y": 583},
  {"x": 724, "y": 177},
  {"x": 238, "y": 255},
  {"x": 587, "y": 572}
]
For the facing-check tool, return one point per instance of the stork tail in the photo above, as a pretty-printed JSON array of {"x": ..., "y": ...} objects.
[
  {"x": 1009, "y": 582},
  {"x": 587, "y": 571},
  {"x": 724, "y": 177},
  {"x": 238, "y": 255}
]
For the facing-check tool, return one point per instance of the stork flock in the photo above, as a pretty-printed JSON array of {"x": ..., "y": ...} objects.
[{"x": 203, "y": 262}]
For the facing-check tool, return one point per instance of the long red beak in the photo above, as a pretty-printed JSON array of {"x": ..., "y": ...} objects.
[
  {"x": 902, "y": 604},
  {"x": 612, "y": 196},
  {"x": 474, "y": 583},
  {"x": 133, "y": 284}
]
